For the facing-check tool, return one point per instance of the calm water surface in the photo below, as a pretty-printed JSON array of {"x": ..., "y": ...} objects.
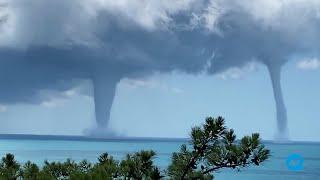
[{"x": 58, "y": 150}]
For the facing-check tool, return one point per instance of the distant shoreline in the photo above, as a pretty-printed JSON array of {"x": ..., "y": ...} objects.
[{"x": 120, "y": 139}]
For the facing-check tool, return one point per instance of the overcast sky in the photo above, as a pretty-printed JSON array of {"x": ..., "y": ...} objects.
[{"x": 164, "y": 65}]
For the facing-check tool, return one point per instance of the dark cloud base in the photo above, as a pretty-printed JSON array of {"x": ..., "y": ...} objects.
[{"x": 115, "y": 46}]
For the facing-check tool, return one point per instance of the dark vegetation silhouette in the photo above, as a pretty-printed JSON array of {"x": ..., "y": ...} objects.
[{"x": 212, "y": 147}]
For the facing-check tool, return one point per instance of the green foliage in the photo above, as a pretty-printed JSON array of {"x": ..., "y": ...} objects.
[
  {"x": 9, "y": 168},
  {"x": 59, "y": 170},
  {"x": 30, "y": 171},
  {"x": 106, "y": 168},
  {"x": 139, "y": 166},
  {"x": 212, "y": 147}
]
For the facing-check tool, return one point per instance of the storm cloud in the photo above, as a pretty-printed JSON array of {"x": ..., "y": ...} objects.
[{"x": 54, "y": 45}]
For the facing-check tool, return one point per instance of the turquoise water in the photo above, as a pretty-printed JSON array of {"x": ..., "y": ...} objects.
[{"x": 58, "y": 150}]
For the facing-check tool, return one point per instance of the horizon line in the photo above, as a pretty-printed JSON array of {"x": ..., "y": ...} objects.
[{"x": 122, "y": 138}]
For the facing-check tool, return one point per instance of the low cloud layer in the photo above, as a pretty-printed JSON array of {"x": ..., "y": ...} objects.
[
  {"x": 3, "y": 108},
  {"x": 309, "y": 64}
]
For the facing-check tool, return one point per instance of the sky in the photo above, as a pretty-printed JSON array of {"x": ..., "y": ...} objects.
[
  {"x": 157, "y": 68},
  {"x": 168, "y": 105}
]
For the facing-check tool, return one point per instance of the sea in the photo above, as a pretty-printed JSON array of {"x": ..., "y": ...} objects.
[{"x": 59, "y": 148}]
